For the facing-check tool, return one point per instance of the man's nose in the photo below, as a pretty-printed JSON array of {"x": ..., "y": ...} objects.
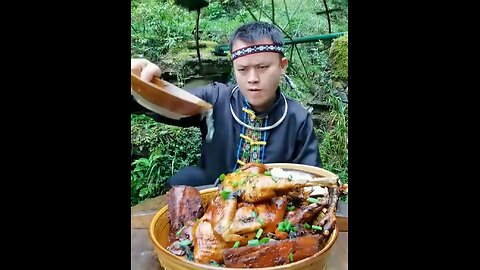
[{"x": 252, "y": 76}]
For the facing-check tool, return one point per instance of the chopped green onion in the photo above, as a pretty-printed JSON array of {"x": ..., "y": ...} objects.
[
  {"x": 312, "y": 200},
  {"x": 180, "y": 231},
  {"x": 237, "y": 244},
  {"x": 235, "y": 184},
  {"x": 285, "y": 226},
  {"x": 264, "y": 240},
  {"x": 244, "y": 180},
  {"x": 315, "y": 227},
  {"x": 259, "y": 233},
  {"x": 291, "y": 256},
  {"x": 260, "y": 219},
  {"x": 222, "y": 177},
  {"x": 290, "y": 208},
  {"x": 185, "y": 242},
  {"x": 225, "y": 193},
  {"x": 254, "y": 214},
  {"x": 288, "y": 226},
  {"x": 307, "y": 226},
  {"x": 254, "y": 242},
  {"x": 267, "y": 173}
]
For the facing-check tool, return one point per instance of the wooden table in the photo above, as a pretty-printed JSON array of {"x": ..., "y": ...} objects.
[{"x": 145, "y": 258}]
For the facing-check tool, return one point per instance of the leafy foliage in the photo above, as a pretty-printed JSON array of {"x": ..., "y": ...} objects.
[
  {"x": 157, "y": 27},
  {"x": 166, "y": 148}
]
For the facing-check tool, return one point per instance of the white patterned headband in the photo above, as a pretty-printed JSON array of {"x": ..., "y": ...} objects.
[{"x": 257, "y": 49}]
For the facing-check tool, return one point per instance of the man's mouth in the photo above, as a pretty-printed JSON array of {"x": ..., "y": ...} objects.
[{"x": 254, "y": 89}]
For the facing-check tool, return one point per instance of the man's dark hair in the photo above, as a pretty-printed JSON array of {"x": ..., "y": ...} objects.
[{"x": 256, "y": 31}]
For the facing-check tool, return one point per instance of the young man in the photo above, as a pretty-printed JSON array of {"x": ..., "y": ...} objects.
[{"x": 253, "y": 121}]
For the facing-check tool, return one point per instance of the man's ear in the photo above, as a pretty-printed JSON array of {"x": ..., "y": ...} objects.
[{"x": 284, "y": 64}]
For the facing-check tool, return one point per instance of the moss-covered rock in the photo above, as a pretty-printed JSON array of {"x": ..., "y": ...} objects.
[
  {"x": 181, "y": 63},
  {"x": 339, "y": 57}
]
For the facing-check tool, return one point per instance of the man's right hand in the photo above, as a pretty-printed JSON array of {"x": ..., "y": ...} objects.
[{"x": 146, "y": 68}]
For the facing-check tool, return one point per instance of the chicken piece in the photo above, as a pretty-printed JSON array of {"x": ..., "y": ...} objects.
[
  {"x": 272, "y": 213},
  {"x": 253, "y": 184},
  {"x": 184, "y": 204},
  {"x": 262, "y": 187},
  {"x": 297, "y": 196},
  {"x": 222, "y": 213},
  {"x": 306, "y": 213},
  {"x": 254, "y": 167},
  {"x": 207, "y": 245},
  {"x": 251, "y": 217},
  {"x": 245, "y": 220}
]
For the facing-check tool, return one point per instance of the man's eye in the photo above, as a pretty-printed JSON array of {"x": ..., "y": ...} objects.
[
  {"x": 262, "y": 67},
  {"x": 241, "y": 69}
]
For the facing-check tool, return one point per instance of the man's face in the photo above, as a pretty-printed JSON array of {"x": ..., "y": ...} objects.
[{"x": 258, "y": 74}]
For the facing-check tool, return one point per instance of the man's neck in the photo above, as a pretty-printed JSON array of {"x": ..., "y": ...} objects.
[{"x": 264, "y": 108}]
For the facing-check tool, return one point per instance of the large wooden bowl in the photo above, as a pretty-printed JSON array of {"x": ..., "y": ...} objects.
[
  {"x": 159, "y": 230},
  {"x": 165, "y": 98}
]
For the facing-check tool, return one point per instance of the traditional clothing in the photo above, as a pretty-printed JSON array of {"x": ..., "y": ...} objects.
[{"x": 234, "y": 144}]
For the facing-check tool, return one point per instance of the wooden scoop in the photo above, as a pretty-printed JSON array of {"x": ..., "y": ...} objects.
[{"x": 166, "y": 99}]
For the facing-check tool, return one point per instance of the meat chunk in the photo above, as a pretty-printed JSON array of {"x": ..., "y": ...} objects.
[
  {"x": 272, "y": 253},
  {"x": 184, "y": 205}
]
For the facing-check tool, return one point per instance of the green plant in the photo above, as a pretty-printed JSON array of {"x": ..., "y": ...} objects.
[
  {"x": 146, "y": 178},
  {"x": 160, "y": 151},
  {"x": 157, "y": 27},
  {"x": 334, "y": 145}
]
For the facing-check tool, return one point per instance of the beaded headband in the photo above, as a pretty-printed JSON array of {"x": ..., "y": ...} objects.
[{"x": 257, "y": 49}]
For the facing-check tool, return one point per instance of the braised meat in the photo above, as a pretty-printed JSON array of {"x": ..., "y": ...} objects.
[{"x": 184, "y": 204}]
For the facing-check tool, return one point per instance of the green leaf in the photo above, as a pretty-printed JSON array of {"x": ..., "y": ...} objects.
[{"x": 143, "y": 192}]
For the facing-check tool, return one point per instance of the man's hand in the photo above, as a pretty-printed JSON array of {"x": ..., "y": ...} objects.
[{"x": 146, "y": 69}]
